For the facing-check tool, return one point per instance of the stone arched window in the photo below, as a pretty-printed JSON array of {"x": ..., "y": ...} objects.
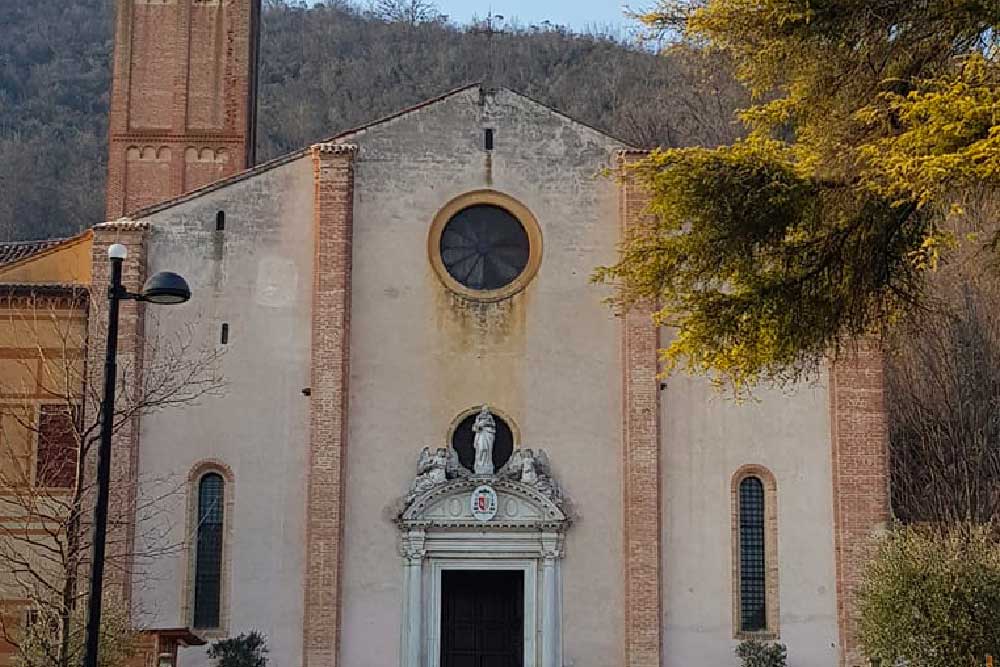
[
  {"x": 210, "y": 508},
  {"x": 755, "y": 553}
]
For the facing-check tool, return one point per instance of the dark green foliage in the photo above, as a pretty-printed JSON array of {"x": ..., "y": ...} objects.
[
  {"x": 930, "y": 596},
  {"x": 249, "y": 649},
  {"x": 821, "y": 227},
  {"x": 754, "y": 653},
  {"x": 324, "y": 69}
]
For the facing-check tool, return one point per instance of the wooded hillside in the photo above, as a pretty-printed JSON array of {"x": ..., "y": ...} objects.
[{"x": 324, "y": 68}]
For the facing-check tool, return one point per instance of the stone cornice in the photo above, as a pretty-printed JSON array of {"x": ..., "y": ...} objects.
[{"x": 552, "y": 516}]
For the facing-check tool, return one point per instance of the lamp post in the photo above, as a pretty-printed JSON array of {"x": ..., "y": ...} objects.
[{"x": 164, "y": 288}]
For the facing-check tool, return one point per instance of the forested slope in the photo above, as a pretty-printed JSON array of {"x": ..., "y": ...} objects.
[{"x": 324, "y": 68}]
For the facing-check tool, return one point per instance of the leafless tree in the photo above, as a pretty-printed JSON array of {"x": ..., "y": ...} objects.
[
  {"x": 45, "y": 488},
  {"x": 406, "y": 11},
  {"x": 944, "y": 389}
]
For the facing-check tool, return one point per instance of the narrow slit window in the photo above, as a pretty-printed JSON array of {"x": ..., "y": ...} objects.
[
  {"x": 488, "y": 139},
  {"x": 753, "y": 566},
  {"x": 224, "y": 337},
  {"x": 220, "y": 221},
  {"x": 208, "y": 559}
]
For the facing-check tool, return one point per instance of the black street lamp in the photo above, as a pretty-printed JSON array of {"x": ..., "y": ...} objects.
[{"x": 163, "y": 288}]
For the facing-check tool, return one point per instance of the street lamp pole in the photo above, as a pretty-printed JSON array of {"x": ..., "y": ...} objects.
[
  {"x": 117, "y": 254},
  {"x": 162, "y": 288}
]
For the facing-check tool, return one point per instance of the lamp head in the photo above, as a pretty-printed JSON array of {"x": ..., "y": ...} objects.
[
  {"x": 166, "y": 288},
  {"x": 117, "y": 251}
]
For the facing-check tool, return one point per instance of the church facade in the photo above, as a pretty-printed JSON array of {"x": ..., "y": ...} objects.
[{"x": 437, "y": 445}]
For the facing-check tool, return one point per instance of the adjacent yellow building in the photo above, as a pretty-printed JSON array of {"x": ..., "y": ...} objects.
[{"x": 44, "y": 292}]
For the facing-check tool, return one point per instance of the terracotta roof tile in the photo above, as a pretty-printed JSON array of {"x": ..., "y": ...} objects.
[{"x": 14, "y": 251}]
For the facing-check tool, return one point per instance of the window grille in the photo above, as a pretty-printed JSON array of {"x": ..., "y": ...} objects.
[
  {"x": 208, "y": 563},
  {"x": 484, "y": 247},
  {"x": 753, "y": 573}
]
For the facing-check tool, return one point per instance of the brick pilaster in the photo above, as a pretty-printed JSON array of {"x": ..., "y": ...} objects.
[
  {"x": 125, "y": 445},
  {"x": 641, "y": 464},
  {"x": 331, "y": 321},
  {"x": 860, "y": 477}
]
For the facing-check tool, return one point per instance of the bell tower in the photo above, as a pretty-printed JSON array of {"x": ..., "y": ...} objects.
[{"x": 183, "y": 97}]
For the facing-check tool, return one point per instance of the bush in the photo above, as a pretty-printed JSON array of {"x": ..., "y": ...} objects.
[
  {"x": 41, "y": 644},
  {"x": 247, "y": 650},
  {"x": 930, "y": 597},
  {"x": 758, "y": 654}
]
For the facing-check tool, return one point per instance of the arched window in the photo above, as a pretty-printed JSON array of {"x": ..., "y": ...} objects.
[
  {"x": 753, "y": 591},
  {"x": 208, "y": 551},
  {"x": 755, "y": 572}
]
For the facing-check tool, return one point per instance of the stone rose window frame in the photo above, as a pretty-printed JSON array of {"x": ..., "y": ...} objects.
[{"x": 511, "y": 206}]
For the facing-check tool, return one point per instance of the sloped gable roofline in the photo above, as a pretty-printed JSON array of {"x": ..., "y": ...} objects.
[
  {"x": 347, "y": 134},
  {"x": 17, "y": 253}
]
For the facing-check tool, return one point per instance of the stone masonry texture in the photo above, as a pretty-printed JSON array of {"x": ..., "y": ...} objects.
[{"x": 182, "y": 110}]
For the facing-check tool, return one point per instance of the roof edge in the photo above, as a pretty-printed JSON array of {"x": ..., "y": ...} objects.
[
  {"x": 219, "y": 184},
  {"x": 346, "y": 134},
  {"x": 57, "y": 245}
]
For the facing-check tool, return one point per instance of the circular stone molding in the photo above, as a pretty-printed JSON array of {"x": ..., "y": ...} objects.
[
  {"x": 511, "y": 206},
  {"x": 499, "y": 458}
]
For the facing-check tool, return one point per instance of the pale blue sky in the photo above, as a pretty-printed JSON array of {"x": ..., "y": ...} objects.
[{"x": 577, "y": 14}]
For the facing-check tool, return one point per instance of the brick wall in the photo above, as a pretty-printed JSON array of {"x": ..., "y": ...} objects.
[
  {"x": 331, "y": 320},
  {"x": 184, "y": 79},
  {"x": 860, "y": 477},
  {"x": 640, "y": 451},
  {"x": 125, "y": 445}
]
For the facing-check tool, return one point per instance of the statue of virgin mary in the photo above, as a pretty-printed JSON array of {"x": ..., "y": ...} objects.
[{"x": 485, "y": 430}]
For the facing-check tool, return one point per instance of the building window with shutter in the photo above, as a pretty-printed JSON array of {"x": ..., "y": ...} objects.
[
  {"x": 755, "y": 567},
  {"x": 211, "y": 503},
  {"x": 56, "y": 454}
]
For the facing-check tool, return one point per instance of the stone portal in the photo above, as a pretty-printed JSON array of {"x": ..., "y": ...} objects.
[{"x": 482, "y": 558}]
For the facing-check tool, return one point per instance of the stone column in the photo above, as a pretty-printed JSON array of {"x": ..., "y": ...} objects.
[
  {"x": 551, "y": 636},
  {"x": 413, "y": 577}
]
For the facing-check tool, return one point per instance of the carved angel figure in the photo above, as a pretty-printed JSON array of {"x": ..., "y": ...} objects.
[
  {"x": 485, "y": 430},
  {"x": 528, "y": 473},
  {"x": 432, "y": 469},
  {"x": 454, "y": 468},
  {"x": 532, "y": 467}
]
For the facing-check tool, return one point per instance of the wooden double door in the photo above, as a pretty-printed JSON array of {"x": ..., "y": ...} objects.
[{"x": 482, "y": 618}]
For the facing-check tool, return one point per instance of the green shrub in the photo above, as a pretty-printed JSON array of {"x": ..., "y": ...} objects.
[
  {"x": 247, "y": 650},
  {"x": 754, "y": 653},
  {"x": 930, "y": 597}
]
